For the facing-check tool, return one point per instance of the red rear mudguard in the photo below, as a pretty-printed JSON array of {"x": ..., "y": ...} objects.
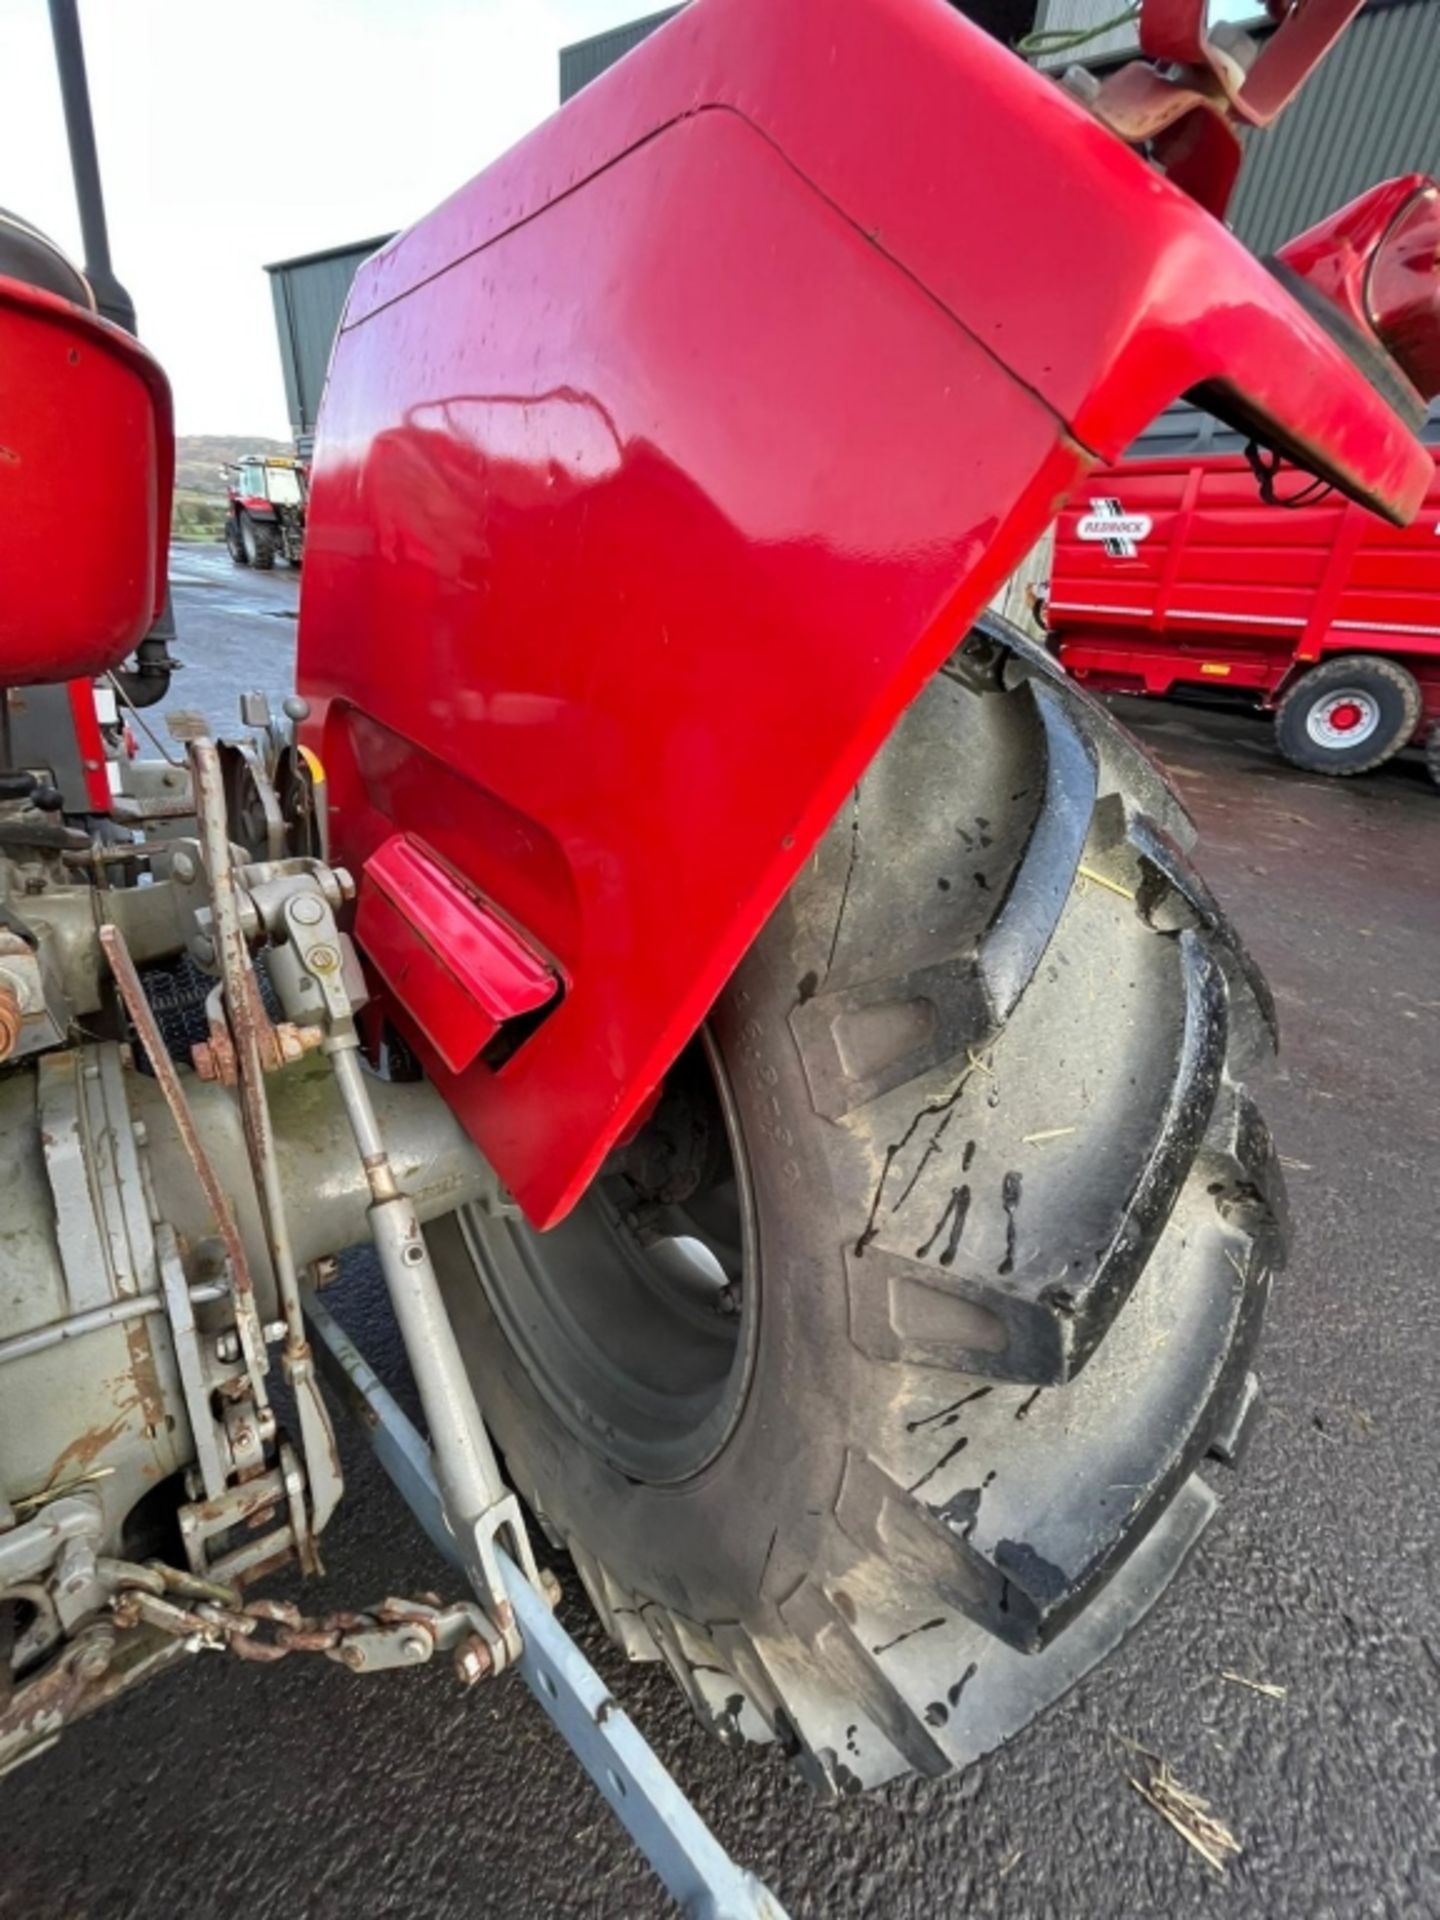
[{"x": 660, "y": 466}]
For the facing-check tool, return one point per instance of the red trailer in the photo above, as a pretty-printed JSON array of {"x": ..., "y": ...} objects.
[{"x": 1171, "y": 570}]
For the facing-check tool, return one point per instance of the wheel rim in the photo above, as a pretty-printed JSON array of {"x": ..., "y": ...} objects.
[
  {"x": 247, "y": 539},
  {"x": 637, "y": 1317},
  {"x": 1346, "y": 718}
]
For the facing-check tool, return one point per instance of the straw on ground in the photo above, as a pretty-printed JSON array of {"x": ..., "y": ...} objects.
[
  {"x": 1188, "y": 1814},
  {"x": 1267, "y": 1687}
]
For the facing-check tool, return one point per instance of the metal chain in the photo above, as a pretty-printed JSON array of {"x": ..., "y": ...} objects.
[{"x": 396, "y": 1633}]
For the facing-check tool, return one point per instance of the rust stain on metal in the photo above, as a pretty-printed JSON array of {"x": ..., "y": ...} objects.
[
  {"x": 145, "y": 1374},
  {"x": 11, "y": 1020},
  {"x": 45, "y": 1704},
  {"x": 81, "y": 1454},
  {"x": 138, "y": 1007},
  {"x": 214, "y": 1059},
  {"x": 262, "y": 1651},
  {"x": 473, "y": 1660},
  {"x": 308, "y": 1639},
  {"x": 279, "y": 1046},
  {"x": 281, "y": 1613},
  {"x": 295, "y": 1042},
  {"x": 240, "y": 1503},
  {"x": 262, "y": 1569}
]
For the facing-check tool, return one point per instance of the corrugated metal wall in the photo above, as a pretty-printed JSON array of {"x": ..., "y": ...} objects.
[
  {"x": 309, "y": 295},
  {"x": 1373, "y": 110},
  {"x": 581, "y": 63},
  {"x": 1074, "y": 16}
]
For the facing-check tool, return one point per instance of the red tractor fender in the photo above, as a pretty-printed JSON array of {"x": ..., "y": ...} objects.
[{"x": 661, "y": 465}]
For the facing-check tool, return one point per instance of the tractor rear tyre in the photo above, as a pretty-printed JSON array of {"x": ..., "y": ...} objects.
[
  {"x": 234, "y": 544},
  {"x": 871, "y": 1385},
  {"x": 259, "y": 543},
  {"x": 1348, "y": 715}
]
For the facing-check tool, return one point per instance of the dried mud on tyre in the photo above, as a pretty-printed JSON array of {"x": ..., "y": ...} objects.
[{"x": 1015, "y": 1215}]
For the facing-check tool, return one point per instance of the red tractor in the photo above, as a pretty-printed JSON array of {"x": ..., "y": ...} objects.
[
  {"x": 265, "y": 503},
  {"x": 760, "y": 1010}
]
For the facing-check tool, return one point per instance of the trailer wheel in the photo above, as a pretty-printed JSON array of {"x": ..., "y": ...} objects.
[
  {"x": 259, "y": 543},
  {"x": 1348, "y": 715},
  {"x": 870, "y": 1386},
  {"x": 235, "y": 545}
]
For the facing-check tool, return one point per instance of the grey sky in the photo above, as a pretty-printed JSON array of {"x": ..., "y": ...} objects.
[{"x": 230, "y": 136}]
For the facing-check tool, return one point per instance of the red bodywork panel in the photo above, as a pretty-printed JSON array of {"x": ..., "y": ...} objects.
[
  {"x": 90, "y": 744},
  {"x": 660, "y": 466},
  {"x": 86, "y": 469},
  {"x": 1378, "y": 261},
  {"x": 1219, "y": 589}
]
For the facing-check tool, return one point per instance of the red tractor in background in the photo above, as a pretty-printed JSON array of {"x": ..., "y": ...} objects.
[
  {"x": 675, "y": 934},
  {"x": 265, "y": 505}
]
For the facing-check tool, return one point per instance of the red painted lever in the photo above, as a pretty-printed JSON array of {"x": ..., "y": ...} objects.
[{"x": 459, "y": 970}]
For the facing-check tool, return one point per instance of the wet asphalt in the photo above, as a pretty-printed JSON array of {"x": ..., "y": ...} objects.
[{"x": 237, "y": 1791}]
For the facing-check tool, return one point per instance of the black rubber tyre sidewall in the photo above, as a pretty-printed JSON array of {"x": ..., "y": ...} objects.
[
  {"x": 1388, "y": 684},
  {"x": 263, "y": 557}
]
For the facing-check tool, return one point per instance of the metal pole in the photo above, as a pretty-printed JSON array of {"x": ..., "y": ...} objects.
[
  {"x": 111, "y": 298},
  {"x": 477, "y": 1505},
  {"x": 131, "y": 1306},
  {"x": 152, "y": 675}
]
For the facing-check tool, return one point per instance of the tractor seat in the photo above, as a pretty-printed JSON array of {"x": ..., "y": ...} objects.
[{"x": 27, "y": 255}]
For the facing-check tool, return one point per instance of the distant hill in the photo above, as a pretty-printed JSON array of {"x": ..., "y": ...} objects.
[{"x": 199, "y": 456}]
